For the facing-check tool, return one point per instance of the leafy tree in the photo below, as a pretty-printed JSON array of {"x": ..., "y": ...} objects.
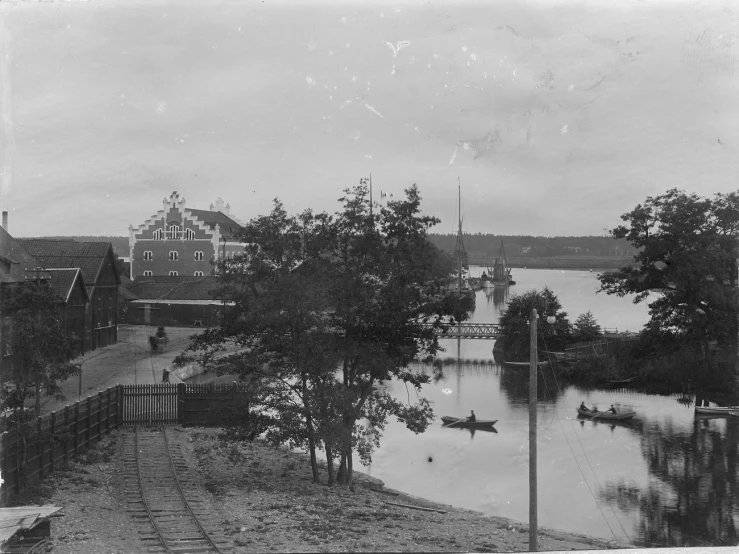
[
  {"x": 586, "y": 327},
  {"x": 325, "y": 308},
  {"x": 41, "y": 351},
  {"x": 687, "y": 252},
  {"x": 515, "y": 328}
]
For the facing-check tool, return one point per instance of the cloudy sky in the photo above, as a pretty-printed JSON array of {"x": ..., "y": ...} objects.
[{"x": 556, "y": 116}]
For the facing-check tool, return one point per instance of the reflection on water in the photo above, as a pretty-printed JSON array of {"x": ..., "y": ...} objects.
[{"x": 663, "y": 478}]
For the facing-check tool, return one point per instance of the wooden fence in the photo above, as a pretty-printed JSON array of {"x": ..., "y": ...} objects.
[{"x": 56, "y": 437}]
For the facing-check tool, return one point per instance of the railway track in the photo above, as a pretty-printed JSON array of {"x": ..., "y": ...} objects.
[{"x": 163, "y": 499}]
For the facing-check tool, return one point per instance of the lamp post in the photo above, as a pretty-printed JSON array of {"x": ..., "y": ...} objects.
[{"x": 533, "y": 366}]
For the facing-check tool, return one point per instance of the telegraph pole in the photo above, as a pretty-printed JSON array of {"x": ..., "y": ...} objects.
[{"x": 533, "y": 523}]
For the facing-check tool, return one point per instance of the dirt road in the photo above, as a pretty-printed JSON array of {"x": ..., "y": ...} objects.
[{"x": 128, "y": 362}]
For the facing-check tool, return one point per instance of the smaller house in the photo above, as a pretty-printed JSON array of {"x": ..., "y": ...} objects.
[
  {"x": 68, "y": 284},
  {"x": 175, "y": 301},
  {"x": 96, "y": 262}
]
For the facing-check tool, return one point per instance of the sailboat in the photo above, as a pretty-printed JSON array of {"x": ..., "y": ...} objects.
[
  {"x": 500, "y": 273},
  {"x": 466, "y": 293}
]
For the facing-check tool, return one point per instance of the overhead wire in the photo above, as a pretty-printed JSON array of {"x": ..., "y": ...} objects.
[{"x": 595, "y": 476}]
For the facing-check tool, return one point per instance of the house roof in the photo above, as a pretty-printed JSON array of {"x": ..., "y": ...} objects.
[
  {"x": 15, "y": 256},
  {"x": 175, "y": 288},
  {"x": 211, "y": 219},
  {"x": 63, "y": 279},
  {"x": 88, "y": 256}
]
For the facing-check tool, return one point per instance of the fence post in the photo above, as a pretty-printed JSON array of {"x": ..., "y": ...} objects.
[
  {"x": 52, "y": 434},
  {"x": 107, "y": 410},
  {"x": 100, "y": 415},
  {"x": 181, "y": 403},
  {"x": 87, "y": 421},
  {"x": 119, "y": 406},
  {"x": 76, "y": 426},
  {"x": 40, "y": 443},
  {"x": 66, "y": 434}
]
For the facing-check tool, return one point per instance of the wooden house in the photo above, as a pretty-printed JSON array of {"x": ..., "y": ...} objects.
[{"x": 96, "y": 263}]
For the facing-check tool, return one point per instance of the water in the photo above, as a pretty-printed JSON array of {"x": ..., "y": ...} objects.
[{"x": 666, "y": 478}]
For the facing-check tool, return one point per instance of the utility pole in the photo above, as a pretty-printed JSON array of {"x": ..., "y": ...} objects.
[{"x": 533, "y": 364}]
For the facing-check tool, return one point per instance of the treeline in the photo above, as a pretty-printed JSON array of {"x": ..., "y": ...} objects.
[
  {"x": 481, "y": 245},
  {"x": 120, "y": 244}
]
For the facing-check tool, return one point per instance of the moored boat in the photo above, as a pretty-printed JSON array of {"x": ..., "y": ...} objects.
[
  {"x": 606, "y": 415},
  {"x": 524, "y": 364},
  {"x": 463, "y": 422},
  {"x": 718, "y": 411}
]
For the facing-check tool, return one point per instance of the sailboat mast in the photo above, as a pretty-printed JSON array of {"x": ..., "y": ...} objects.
[{"x": 459, "y": 234}]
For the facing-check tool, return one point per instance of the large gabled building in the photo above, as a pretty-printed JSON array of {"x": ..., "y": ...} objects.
[
  {"x": 96, "y": 263},
  {"x": 180, "y": 241}
]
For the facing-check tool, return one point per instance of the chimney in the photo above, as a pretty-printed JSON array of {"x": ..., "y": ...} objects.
[{"x": 5, "y": 220}]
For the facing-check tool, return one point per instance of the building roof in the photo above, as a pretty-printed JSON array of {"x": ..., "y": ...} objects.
[
  {"x": 227, "y": 225},
  {"x": 88, "y": 256},
  {"x": 63, "y": 279},
  {"x": 14, "y": 256},
  {"x": 174, "y": 288}
]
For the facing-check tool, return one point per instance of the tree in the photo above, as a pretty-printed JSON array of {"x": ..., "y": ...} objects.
[
  {"x": 586, "y": 327},
  {"x": 41, "y": 351},
  {"x": 325, "y": 308},
  {"x": 687, "y": 251},
  {"x": 515, "y": 327}
]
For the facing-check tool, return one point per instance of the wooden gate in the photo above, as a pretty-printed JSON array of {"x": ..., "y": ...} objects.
[
  {"x": 150, "y": 404},
  {"x": 180, "y": 403}
]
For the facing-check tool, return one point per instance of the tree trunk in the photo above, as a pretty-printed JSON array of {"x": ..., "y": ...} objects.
[
  {"x": 349, "y": 469},
  {"x": 330, "y": 464},
  {"x": 38, "y": 400},
  {"x": 341, "y": 477},
  {"x": 311, "y": 431}
]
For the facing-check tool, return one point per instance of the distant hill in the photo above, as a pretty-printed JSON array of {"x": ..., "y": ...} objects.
[
  {"x": 120, "y": 244},
  {"x": 518, "y": 246}
]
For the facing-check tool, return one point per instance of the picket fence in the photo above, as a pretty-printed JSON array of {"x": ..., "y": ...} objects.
[{"x": 61, "y": 435}]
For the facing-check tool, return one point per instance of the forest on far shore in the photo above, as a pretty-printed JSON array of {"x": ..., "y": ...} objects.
[
  {"x": 520, "y": 250},
  {"x": 483, "y": 247}
]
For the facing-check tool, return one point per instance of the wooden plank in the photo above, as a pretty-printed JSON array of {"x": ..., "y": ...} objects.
[{"x": 415, "y": 507}]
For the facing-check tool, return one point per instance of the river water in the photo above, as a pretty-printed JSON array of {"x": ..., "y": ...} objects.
[{"x": 666, "y": 478}]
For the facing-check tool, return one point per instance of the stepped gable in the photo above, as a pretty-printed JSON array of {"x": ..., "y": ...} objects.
[{"x": 212, "y": 218}]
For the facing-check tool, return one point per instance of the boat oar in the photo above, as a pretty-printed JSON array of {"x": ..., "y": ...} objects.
[
  {"x": 455, "y": 422},
  {"x": 596, "y": 414}
]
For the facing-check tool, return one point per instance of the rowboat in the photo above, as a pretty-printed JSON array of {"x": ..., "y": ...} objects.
[
  {"x": 720, "y": 411},
  {"x": 463, "y": 422},
  {"x": 524, "y": 364},
  {"x": 606, "y": 415}
]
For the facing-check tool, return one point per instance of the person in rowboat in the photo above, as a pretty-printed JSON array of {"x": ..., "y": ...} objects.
[
  {"x": 583, "y": 407},
  {"x": 472, "y": 416},
  {"x": 612, "y": 410}
]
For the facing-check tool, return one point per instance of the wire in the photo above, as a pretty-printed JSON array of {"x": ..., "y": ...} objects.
[{"x": 595, "y": 476}]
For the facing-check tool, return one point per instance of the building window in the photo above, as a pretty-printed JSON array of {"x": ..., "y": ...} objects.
[
  {"x": 173, "y": 232},
  {"x": 173, "y": 256},
  {"x": 148, "y": 273},
  {"x": 159, "y": 234},
  {"x": 190, "y": 234},
  {"x": 198, "y": 274},
  {"x": 149, "y": 255},
  {"x": 198, "y": 256},
  {"x": 173, "y": 274}
]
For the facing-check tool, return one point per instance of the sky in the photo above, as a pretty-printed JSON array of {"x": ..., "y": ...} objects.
[{"x": 555, "y": 117}]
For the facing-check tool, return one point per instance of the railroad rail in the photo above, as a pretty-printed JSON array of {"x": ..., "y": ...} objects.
[
  {"x": 467, "y": 331},
  {"x": 163, "y": 499}
]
